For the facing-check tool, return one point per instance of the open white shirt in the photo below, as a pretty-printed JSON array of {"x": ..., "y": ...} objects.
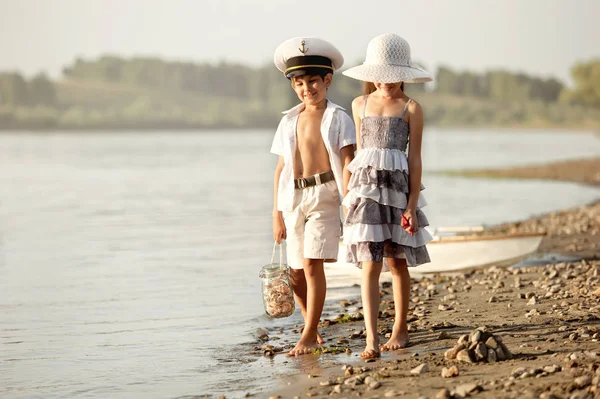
[{"x": 337, "y": 130}]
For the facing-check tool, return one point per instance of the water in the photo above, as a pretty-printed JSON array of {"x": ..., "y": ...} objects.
[{"x": 129, "y": 262}]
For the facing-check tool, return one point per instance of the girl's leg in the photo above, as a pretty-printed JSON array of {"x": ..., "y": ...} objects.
[
  {"x": 401, "y": 288},
  {"x": 369, "y": 291}
]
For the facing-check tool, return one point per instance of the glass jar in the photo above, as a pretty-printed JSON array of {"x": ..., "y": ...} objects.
[{"x": 278, "y": 296}]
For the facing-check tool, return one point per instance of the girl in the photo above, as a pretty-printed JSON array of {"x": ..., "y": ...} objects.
[{"x": 384, "y": 220}]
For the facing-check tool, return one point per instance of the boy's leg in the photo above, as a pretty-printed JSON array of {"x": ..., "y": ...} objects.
[
  {"x": 369, "y": 290},
  {"x": 299, "y": 288},
  {"x": 401, "y": 289},
  {"x": 315, "y": 298},
  {"x": 321, "y": 242}
]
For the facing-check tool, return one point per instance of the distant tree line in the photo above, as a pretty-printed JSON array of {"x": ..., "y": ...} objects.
[
  {"x": 117, "y": 92},
  {"x": 16, "y": 91}
]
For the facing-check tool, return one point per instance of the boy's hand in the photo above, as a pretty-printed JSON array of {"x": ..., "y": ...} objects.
[
  {"x": 410, "y": 222},
  {"x": 279, "y": 232}
]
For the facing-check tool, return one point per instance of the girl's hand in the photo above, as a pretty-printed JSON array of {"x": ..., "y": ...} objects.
[
  {"x": 279, "y": 231},
  {"x": 412, "y": 224}
]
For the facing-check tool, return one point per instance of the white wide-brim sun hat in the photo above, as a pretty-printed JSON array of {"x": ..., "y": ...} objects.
[{"x": 388, "y": 61}]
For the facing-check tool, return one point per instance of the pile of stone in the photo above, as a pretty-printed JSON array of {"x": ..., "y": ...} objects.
[{"x": 479, "y": 346}]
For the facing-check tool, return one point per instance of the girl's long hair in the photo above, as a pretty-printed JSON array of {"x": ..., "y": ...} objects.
[{"x": 369, "y": 87}]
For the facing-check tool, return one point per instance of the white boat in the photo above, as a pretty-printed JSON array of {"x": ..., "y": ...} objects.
[
  {"x": 456, "y": 253},
  {"x": 462, "y": 252}
]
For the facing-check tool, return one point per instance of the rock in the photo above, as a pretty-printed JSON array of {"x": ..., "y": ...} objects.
[
  {"x": 269, "y": 353},
  {"x": 449, "y": 372},
  {"x": 464, "y": 356},
  {"x": 354, "y": 381},
  {"x": 393, "y": 394},
  {"x": 480, "y": 352},
  {"x": 574, "y": 336},
  {"x": 532, "y": 301},
  {"x": 464, "y": 339},
  {"x": 475, "y": 336},
  {"x": 450, "y": 354},
  {"x": 582, "y": 382},
  {"x": 374, "y": 385},
  {"x": 443, "y": 335},
  {"x": 493, "y": 299},
  {"x": 443, "y": 394},
  {"x": 491, "y": 343},
  {"x": 464, "y": 390},
  {"x": 420, "y": 369},
  {"x": 516, "y": 373},
  {"x": 507, "y": 353},
  {"x": 491, "y": 356},
  {"x": 349, "y": 371},
  {"x": 356, "y": 334},
  {"x": 549, "y": 395},
  {"x": 580, "y": 395},
  {"x": 552, "y": 369},
  {"x": 337, "y": 389}
]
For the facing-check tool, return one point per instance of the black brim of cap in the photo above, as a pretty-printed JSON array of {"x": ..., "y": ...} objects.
[{"x": 307, "y": 71}]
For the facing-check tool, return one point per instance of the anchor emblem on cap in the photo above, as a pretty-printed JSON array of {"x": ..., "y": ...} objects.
[{"x": 303, "y": 50}]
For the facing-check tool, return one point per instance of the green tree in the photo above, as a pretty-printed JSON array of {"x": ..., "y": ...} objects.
[
  {"x": 41, "y": 91},
  {"x": 13, "y": 89},
  {"x": 586, "y": 91}
]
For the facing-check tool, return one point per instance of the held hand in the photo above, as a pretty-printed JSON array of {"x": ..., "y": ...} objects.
[
  {"x": 279, "y": 232},
  {"x": 409, "y": 221}
]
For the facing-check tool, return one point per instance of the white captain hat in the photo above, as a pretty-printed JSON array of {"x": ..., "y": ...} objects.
[{"x": 307, "y": 55}]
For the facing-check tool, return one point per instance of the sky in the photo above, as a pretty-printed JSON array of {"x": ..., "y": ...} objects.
[{"x": 538, "y": 37}]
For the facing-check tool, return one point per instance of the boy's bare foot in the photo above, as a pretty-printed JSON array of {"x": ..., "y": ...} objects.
[
  {"x": 371, "y": 350},
  {"x": 397, "y": 341},
  {"x": 320, "y": 339},
  {"x": 303, "y": 347}
]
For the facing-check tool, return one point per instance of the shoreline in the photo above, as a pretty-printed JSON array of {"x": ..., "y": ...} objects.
[
  {"x": 548, "y": 316},
  {"x": 153, "y": 128}
]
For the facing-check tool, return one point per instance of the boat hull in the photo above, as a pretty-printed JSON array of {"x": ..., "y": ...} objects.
[{"x": 456, "y": 253}]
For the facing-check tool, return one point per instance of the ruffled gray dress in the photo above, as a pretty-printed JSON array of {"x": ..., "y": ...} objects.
[{"x": 378, "y": 196}]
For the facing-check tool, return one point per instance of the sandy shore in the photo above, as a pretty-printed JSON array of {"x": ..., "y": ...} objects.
[
  {"x": 578, "y": 170},
  {"x": 547, "y": 317}
]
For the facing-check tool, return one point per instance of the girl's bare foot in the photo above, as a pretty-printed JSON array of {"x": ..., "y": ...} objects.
[
  {"x": 397, "y": 341},
  {"x": 304, "y": 347},
  {"x": 320, "y": 339},
  {"x": 371, "y": 350}
]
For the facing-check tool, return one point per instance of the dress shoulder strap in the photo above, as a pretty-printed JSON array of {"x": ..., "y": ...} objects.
[
  {"x": 406, "y": 108},
  {"x": 365, "y": 106}
]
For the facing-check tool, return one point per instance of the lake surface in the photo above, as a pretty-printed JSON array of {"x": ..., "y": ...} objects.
[{"x": 129, "y": 262}]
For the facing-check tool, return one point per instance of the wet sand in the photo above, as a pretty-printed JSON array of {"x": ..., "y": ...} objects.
[{"x": 547, "y": 317}]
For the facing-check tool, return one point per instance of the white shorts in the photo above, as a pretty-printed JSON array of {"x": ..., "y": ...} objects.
[{"x": 314, "y": 226}]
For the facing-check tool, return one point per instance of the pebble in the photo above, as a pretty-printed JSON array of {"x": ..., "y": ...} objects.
[
  {"x": 443, "y": 394},
  {"x": 582, "y": 382},
  {"x": 464, "y": 390},
  {"x": 449, "y": 372},
  {"x": 420, "y": 369},
  {"x": 532, "y": 301}
]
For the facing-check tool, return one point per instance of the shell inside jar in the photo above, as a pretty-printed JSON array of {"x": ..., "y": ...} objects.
[{"x": 278, "y": 297}]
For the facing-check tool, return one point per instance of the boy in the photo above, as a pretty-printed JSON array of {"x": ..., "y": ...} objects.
[{"x": 315, "y": 143}]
